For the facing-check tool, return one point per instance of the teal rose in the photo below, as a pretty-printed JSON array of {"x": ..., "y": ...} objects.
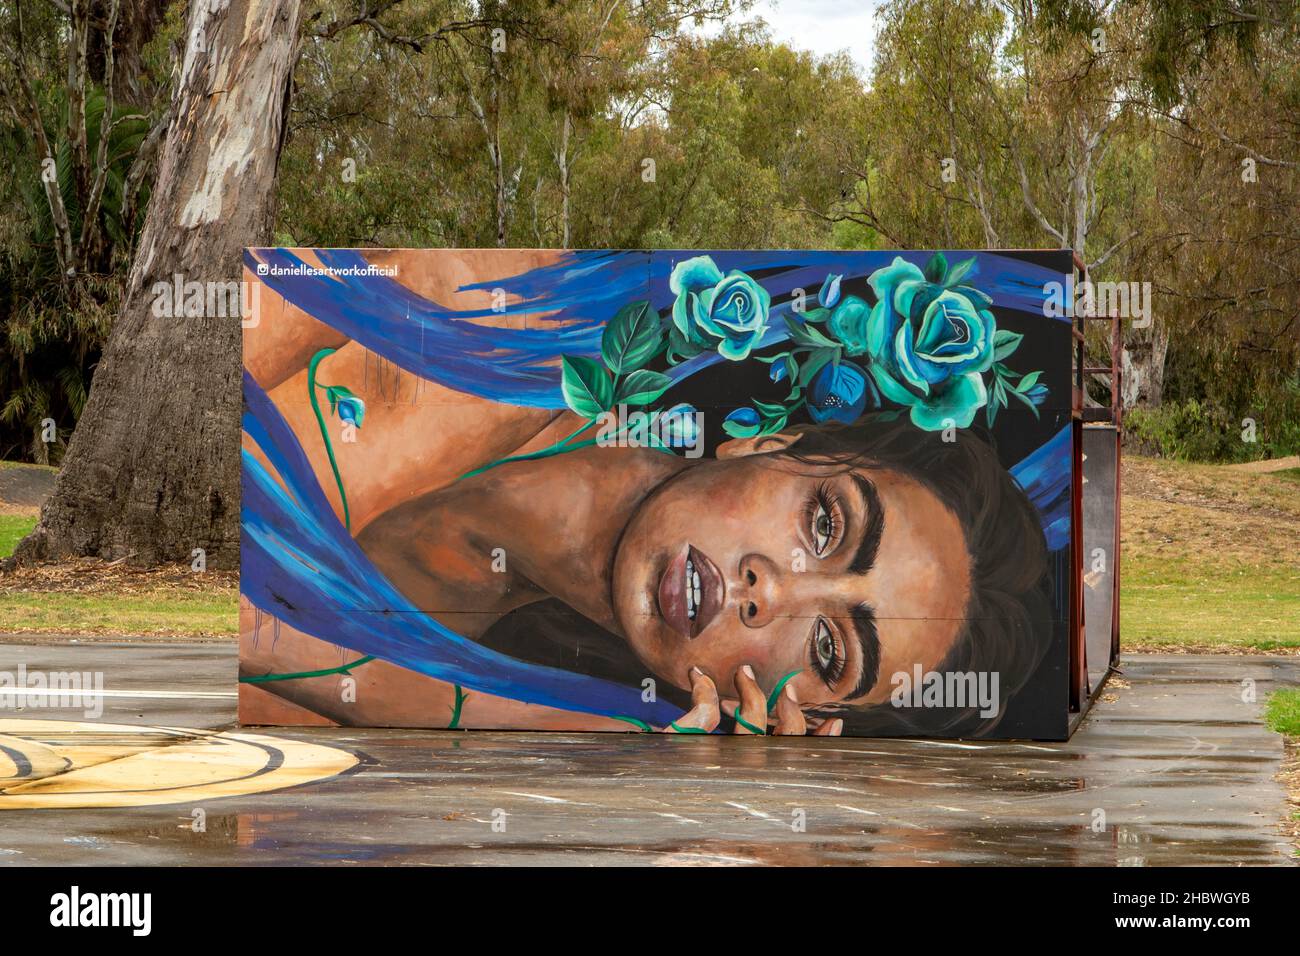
[
  {"x": 727, "y": 312},
  {"x": 930, "y": 339}
]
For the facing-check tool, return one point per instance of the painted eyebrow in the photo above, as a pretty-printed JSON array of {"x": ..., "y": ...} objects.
[
  {"x": 863, "y": 621},
  {"x": 864, "y": 559}
]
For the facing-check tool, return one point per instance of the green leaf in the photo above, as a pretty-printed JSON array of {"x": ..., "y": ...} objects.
[
  {"x": 587, "y": 387},
  {"x": 773, "y": 425},
  {"x": 818, "y": 314},
  {"x": 807, "y": 335},
  {"x": 641, "y": 388},
  {"x": 1027, "y": 382},
  {"x": 936, "y": 268},
  {"x": 958, "y": 272},
  {"x": 791, "y": 369},
  {"x": 1004, "y": 343},
  {"x": 816, "y": 362},
  {"x": 680, "y": 348},
  {"x": 631, "y": 338},
  {"x": 769, "y": 409},
  {"x": 1028, "y": 402}
]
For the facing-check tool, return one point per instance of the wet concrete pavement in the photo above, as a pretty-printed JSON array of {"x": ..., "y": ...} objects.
[{"x": 1175, "y": 768}]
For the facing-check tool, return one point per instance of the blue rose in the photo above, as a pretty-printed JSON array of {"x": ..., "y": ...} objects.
[
  {"x": 830, "y": 291},
  {"x": 848, "y": 323},
  {"x": 349, "y": 407},
  {"x": 678, "y": 426},
  {"x": 728, "y": 312},
  {"x": 840, "y": 393},
  {"x": 931, "y": 341}
]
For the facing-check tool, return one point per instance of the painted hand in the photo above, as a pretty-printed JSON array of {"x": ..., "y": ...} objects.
[{"x": 750, "y": 712}]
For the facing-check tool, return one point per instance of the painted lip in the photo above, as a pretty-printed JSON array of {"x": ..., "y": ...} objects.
[{"x": 676, "y": 605}]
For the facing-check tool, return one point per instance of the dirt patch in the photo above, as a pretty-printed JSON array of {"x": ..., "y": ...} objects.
[
  {"x": 91, "y": 576},
  {"x": 1209, "y": 514},
  {"x": 1231, "y": 650}
]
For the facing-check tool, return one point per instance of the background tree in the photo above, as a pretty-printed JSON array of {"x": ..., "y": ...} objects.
[
  {"x": 71, "y": 187},
  {"x": 152, "y": 471}
]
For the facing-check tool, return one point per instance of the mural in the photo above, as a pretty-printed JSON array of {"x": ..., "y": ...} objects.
[{"x": 734, "y": 492}]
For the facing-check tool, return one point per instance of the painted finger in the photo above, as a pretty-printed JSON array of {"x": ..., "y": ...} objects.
[
  {"x": 704, "y": 714},
  {"x": 751, "y": 715},
  {"x": 789, "y": 716},
  {"x": 830, "y": 728}
]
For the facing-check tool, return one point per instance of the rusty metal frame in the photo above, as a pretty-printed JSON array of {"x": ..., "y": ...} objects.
[{"x": 1081, "y": 695}]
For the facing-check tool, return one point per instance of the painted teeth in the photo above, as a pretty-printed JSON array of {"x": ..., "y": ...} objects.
[{"x": 692, "y": 590}]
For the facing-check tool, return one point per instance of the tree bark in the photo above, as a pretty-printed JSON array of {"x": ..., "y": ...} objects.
[
  {"x": 1142, "y": 366},
  {"x": 137, "y": 23},
  {"x": 152, "y": 472}
]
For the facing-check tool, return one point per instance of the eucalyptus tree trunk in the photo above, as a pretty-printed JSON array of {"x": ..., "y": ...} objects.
[
  {"x": 152, "y": 472},
  {"x": 1142, "y": 366}
]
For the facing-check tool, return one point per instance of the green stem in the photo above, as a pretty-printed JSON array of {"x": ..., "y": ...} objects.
[
  {"x": 264, "y": 678},
  {"x": 747, "y": 725},
  {"x": 324, "y": 432},
  {"x": 776, "y": 691},
  {"x": 641, "y": 724},
  {"x": 555, "y": 449},
  {"x": 687, "y": 730},
  {"x": 533, "y": 456},
  {"x": 455, "y": 712}
]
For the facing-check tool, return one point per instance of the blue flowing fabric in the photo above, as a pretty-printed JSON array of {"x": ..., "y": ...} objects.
[{"x": 300, "y": 564}]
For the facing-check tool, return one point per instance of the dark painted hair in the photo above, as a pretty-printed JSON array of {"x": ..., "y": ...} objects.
[{"x": 1009, "y": 614}]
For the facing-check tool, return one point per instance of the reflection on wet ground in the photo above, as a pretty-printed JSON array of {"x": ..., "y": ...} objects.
[{"x": 1173, "y": 769}]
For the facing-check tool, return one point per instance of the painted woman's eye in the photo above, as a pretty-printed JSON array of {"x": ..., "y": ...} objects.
[
  {"x": 825, "y": 646},
  {"x": 822, "y": 520},
  {"x": 823, "y": 527},
  {"x": 824, "y": 655}
]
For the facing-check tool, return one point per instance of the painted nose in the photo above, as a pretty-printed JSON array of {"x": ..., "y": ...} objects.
[{"x": 758, "y": 590}]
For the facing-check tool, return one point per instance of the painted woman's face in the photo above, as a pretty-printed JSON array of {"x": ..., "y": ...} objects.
[{"x": 843, "y": 576}]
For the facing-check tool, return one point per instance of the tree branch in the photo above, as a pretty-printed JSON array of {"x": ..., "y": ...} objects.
[
  {"x": 90, "y": 217},
  {"x": 1101, "y": 260},
  {"x": 1033, "y": 207},
  {"x": 31, "y": 113}
]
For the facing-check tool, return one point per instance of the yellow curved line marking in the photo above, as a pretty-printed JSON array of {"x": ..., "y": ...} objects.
[{"x": 199, "y": 766}]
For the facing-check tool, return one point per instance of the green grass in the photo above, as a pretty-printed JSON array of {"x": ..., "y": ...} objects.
[
  {"x": 164, "y": 611},
  {"x": 1282, "y": 712},
  {"x": 1199, "y": 602},
  {"x": 1209, "y": 558},
  {"x": 13, "y": 528}
]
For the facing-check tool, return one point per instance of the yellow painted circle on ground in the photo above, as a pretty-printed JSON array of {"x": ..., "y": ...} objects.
[{"x": 66, "y": 764}]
